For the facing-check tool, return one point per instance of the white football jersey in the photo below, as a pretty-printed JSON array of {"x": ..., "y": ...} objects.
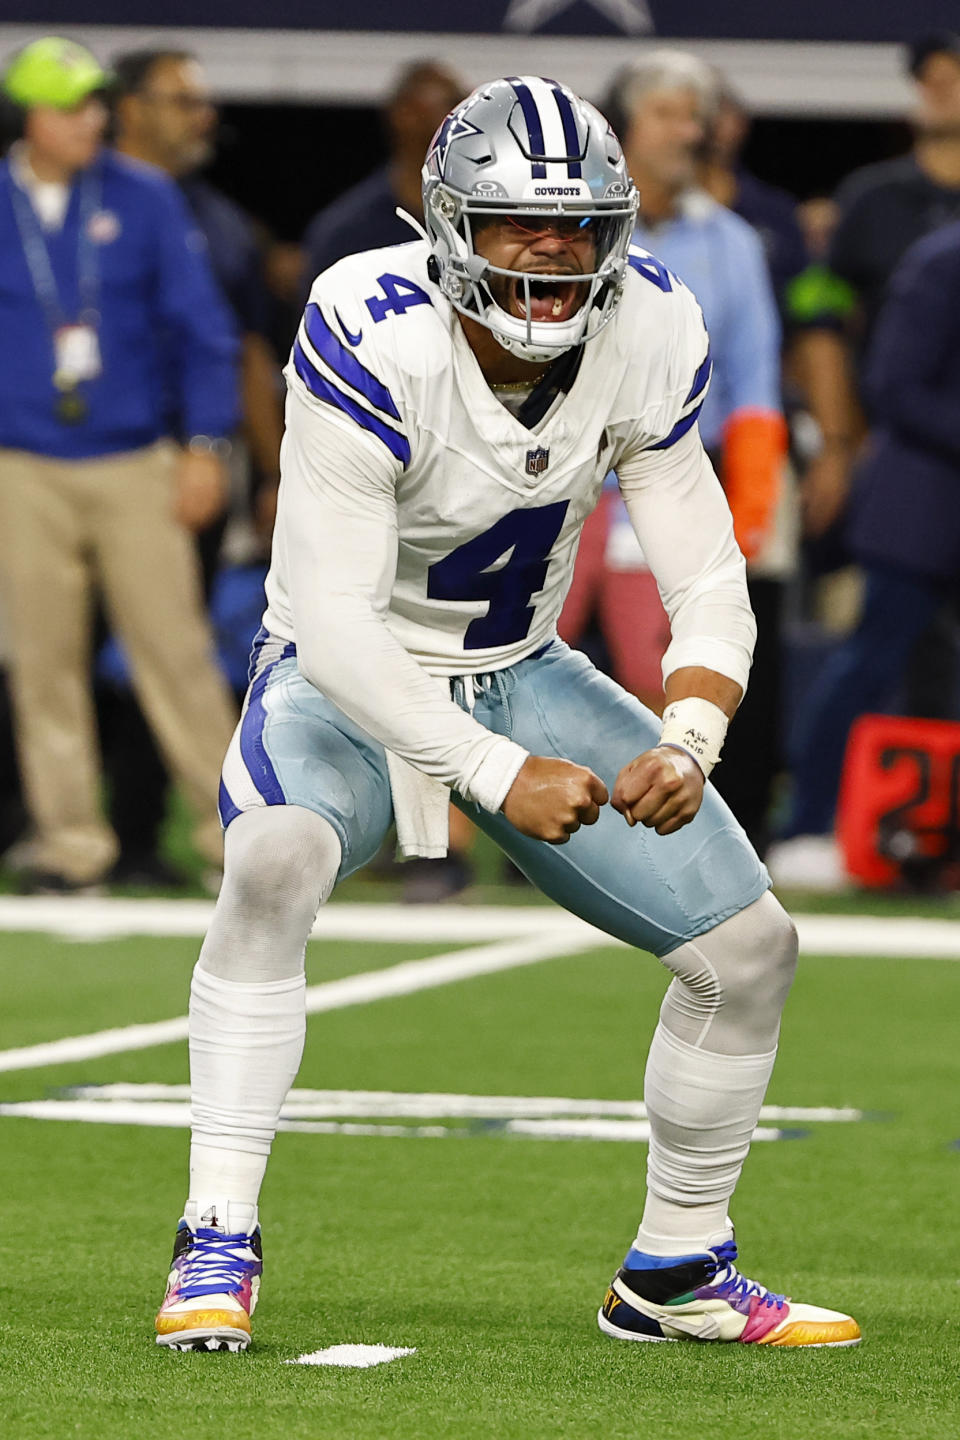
[
  {"x": 424, "y": 532},
  {"x": 488, "y": 512}
]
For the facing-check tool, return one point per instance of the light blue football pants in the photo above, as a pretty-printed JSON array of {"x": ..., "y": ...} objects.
[
  {"x": 653, "y": 891},
  {"x": 697, "y": 898}
]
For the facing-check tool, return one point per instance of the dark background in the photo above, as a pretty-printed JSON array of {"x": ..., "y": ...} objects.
[
  {"x": 283, "y": 162},
  {"x": 864, "y": 20}
]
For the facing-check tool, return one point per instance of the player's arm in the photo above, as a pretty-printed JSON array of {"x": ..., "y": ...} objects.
[
  {"x": 337, "y": 546},
  {"x": 683, "y": 522}
]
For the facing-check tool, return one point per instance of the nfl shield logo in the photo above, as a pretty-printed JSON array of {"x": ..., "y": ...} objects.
[{"x": 537, "y": 460}]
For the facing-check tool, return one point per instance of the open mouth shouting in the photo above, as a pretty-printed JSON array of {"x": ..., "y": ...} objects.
[{"x": 551, "y": 299}]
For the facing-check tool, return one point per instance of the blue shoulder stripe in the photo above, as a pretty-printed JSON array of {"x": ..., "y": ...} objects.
[
  {"x": 679, "y": 430},
  {"x": 397, "y": 444},
  {"x": 700, "y": 379},
  {"x": 345, "y": 364}
]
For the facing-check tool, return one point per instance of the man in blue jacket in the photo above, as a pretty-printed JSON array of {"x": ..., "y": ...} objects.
[
  {"x": 102, "y": 274},
  {"x": 904, "y": 519}
]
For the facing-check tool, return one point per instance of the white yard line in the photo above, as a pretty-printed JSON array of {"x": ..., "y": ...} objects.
[
  {"x": 96, "y": 918},
  {"x": 175, "y": 1115},
  {"x": 913, "y": 937},
  {"x": 524, "y": 935},
  {"x": 89, "y": 1047},
  {"x": 89, "y": 918},
  {"x": 404, "y": 979},
  {"x": 328, "y": 1104}
]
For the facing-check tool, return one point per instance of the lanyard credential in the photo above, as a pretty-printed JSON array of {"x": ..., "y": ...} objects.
[{"x": 76, "y": 350}]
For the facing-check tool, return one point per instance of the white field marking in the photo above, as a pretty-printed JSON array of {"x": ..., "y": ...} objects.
[
  {"x": 404, "y": 979},
  {"x": 92, "y": 918},
  {"x": 82, "y": 917},
  {"x": 354, "y": 1357},
  {"x": 633, "y": 1130},
  {"x": 175, "y": 1115},
  {"x": 897, "y": 936},
  {"x": 328, "y": 1104}
]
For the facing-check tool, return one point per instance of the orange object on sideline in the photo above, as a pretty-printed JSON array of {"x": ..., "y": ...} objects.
[
  {"x": 899, "y": 810},
  {"x": 754, "y": 447}
]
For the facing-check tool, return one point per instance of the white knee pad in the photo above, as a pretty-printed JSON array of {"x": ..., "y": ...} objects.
[
  {"x": 280, "y": 865},
  {"x": 732, "y": 982}
]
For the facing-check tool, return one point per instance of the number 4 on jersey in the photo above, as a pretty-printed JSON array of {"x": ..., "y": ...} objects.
[
  {"x": 522, "y": 540},
  {"x": 652, "y": 269},
  {"x": 399, "y": 296}
]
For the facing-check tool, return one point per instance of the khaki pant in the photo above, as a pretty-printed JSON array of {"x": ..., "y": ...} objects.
[{"x": 68, "y": 530}]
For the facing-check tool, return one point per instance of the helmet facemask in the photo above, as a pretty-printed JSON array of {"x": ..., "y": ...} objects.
[{"x": 534, "y": 314}]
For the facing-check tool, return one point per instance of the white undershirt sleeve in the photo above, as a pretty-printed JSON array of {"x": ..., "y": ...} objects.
[
  {"x": 678, "y": 510},
  {"x": 337, "y": 524}
]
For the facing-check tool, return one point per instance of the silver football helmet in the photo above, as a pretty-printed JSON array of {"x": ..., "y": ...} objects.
[{"x": 527, "y": 154}]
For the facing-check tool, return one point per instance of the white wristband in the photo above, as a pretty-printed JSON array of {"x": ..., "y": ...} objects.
[{"x": 697, "y": 726}]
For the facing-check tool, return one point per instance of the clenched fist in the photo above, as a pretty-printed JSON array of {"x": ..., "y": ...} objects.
[
  {"x": 662, "y": 788},
  {"x": 550, "y": 799}
]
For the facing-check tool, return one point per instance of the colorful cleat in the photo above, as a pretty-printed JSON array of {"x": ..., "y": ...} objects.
[
  {"x": 211, "y": 1291},
  {"x": 704, "y": 1297}
]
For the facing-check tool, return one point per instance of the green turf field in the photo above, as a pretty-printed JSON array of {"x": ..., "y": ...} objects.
[{"x": 486, "y": 1252}]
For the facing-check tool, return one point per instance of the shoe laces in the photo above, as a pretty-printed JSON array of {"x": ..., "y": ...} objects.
[
  {"x": 215, "y": 1264},
  {"x": 731, "y": 1285}
]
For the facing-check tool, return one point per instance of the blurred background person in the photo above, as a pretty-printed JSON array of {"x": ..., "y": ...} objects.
[
  {"x": 903, "y": 526},
  {"x": 662, "y": 106},
  {"x": 163, "y": 115},
  {"x": 770, "y": 210},
  {"x": 815, "y": 305},
  {"x": 105, "y": 287},
  {"x": 883, "y": 209},
  {"x": 365, "y": 217}
]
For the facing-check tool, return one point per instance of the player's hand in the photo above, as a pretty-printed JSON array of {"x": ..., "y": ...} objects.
[
  {"x": 550, "y": 799},
  {"x": 824, "y": 490},
  {"x": 201, "y": 491},
  {"x": 662, "y": 789}
]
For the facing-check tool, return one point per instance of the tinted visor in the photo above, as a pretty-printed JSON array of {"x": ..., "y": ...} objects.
[
  {"x": 530, "y": 226},
  {"x": 604, "y": 231}
]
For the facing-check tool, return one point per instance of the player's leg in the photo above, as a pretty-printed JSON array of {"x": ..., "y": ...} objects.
[
  {"x": 698, "y": 899},
  {"x": 306, "y": 799}
]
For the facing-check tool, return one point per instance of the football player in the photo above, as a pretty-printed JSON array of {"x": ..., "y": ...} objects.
[{"x": 454, "y": 405}]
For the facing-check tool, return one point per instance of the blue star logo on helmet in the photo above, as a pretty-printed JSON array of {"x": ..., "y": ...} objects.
[{"x": 455, "y": 127}]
